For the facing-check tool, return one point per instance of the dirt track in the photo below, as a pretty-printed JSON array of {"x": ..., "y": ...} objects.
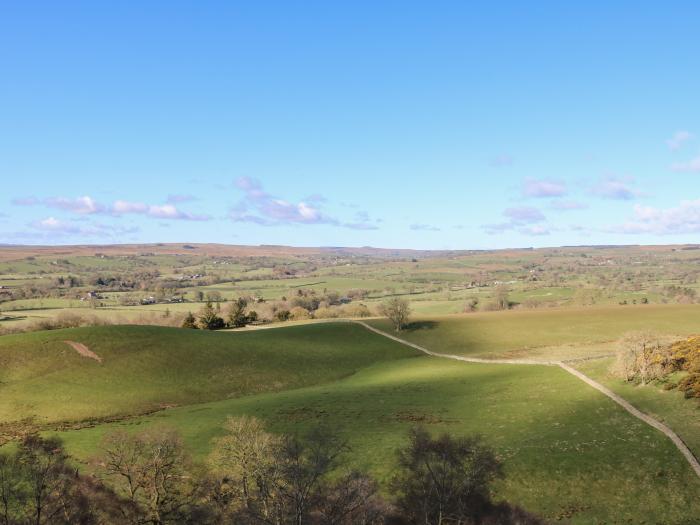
[
  {"x": 655, "y": 423},
  {"x": 84, "y": 350},
  {"x": 675, "y": 438}
]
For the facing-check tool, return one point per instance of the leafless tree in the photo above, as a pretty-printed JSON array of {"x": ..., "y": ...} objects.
[
  {"x": 150, "y": 469},
  {"x": 397, "y": 310}
]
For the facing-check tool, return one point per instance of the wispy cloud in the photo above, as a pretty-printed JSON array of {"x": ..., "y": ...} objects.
[
  {"x": 86, "y": 205},
  {"x": 157, "y": 211},
  {"x": 541, "y": 188},
  {"x": 26, "y": 201},
  {"x": 616, "y": 189},
  {"x": 424, "y": 227},
  {"x": 693, "y": 165},
  {"x": 65, "y": 228},
  {"x": 682, "y": 219},
  {"x": 260, "y": 207},
  {"x": 524, "y": 214},
  {"x": 678, "y": 139},
  {"x": 180, "y": 198},
  {"x": 535, "y": 230},
  {"x": 526, "y": 220},
  {"x": 360, "y": 226},
  {"x": 563, "y": 205},
  {"x": 82, "y": 205}
]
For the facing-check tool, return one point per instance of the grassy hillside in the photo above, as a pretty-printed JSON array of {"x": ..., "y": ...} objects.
[
  {"x": 569, "y": 452},
  {"x": 522, "y": 332},
  {"x": 682, "y": 415},
  {"x": 144, "y": 368}
]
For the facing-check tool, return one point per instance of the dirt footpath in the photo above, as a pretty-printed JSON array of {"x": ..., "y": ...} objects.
[{"x": 84, "y": 350}]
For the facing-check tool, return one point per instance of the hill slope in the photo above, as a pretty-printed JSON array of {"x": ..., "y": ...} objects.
[{"x": 144, "y": 368}]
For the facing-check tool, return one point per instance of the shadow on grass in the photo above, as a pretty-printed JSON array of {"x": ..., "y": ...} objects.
[{"x": 420, "y": 325}]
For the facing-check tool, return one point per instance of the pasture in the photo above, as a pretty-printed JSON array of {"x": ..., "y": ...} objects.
[
  {"x": 569, "y": 452},
  {"x": 545, "y": 334}
]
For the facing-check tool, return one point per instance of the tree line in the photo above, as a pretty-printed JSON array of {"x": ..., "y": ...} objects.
[{"x": 252, "y": 476}]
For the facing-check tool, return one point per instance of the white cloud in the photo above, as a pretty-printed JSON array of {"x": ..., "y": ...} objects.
[
  {"x": 678, "y": 139},
  {"x": 157, "y": 211},
  {"x": 122, "y": 207},
  {"x": 543, "y": 188},
  {"x": 534, "y": 229},
  {"x": 693, "y": 165},
  {"x": 424, "y": 227},
  {"x": 269, "y": 210},
  {"x": 86, "y": 205},
  {"x": 523, "y": 219},
  {"x": 682, "y": 219},
  {"x": 260, "y": 207},
  {"x": 82, "y": 205},
  {"x": 568, "y": 205},
  {"x": 616, "y": 189},
  {"x": 524, "y": 214},
  {"x": 53, "y": 224},
  {"x": 61, "y": 228}
]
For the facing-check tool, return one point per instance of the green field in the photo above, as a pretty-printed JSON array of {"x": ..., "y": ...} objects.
[
  {"x": 568, "y": 451},
  {"x": 551, "y": 334},
  {"x": 144, "y": 368},
  {"x": 669, "y": 406}
]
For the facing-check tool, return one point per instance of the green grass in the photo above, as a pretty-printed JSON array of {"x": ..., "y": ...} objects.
[
  {"x": 522, "y": 332},
  {"x": 567, "y": 449},
  {"x": 145, "y": 367},
  {"x": 670, "y": 406}
]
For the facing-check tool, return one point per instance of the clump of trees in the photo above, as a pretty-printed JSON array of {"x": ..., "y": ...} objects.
[
  {"x": 252, "y": 477},
  {"x": 640, "y": 356},
  {"x": 397, "y": 310},
  {"x": 501, "y": 299},
  {"x": 210, "y": 318},
  {"x": 295, "y": 479},
  {"x": 38, "y": 485},
  {"x": 644, "y": 357},
  {"x": 685, "y": 356}
]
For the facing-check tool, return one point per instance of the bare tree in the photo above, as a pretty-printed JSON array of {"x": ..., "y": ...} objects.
[
  {"x": 245, "y": 456},
  {"x": 397, "y": 310},
  {"x": 39, "y": 487},
  {"x": 502, "y": 298},
  {"x": 285, "y": 480},
  {"x": 641, "y": 356},
  {"x": 351, "y": 500},
  {"x": 150, "y": 468},
  {"x": 444, "y": 480}
]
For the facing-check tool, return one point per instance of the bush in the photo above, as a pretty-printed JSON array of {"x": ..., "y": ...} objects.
[
  {"x": 685, "y": 355},
  {"x": 356, "y": 310},
  {"x": 208, "y": 319},
  {"x": 299, "y": 313},
  {"x": 190, "y": 321},
  {"x": 642, "y": 356}
]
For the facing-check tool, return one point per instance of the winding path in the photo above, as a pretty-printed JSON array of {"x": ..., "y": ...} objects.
[{"x": 675, "y": 438}]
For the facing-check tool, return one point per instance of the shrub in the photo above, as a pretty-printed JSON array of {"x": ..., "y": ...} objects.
[
  {"x": 641, "y": 356},
  {"x": 299, "y": 313},
  {"x": 190, "y": 321}
]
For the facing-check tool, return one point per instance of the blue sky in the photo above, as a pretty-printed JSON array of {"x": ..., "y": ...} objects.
[{"x": 395, "y": 124}]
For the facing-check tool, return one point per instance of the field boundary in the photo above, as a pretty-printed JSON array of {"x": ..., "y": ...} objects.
[{"x": 646, "y": 418}]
